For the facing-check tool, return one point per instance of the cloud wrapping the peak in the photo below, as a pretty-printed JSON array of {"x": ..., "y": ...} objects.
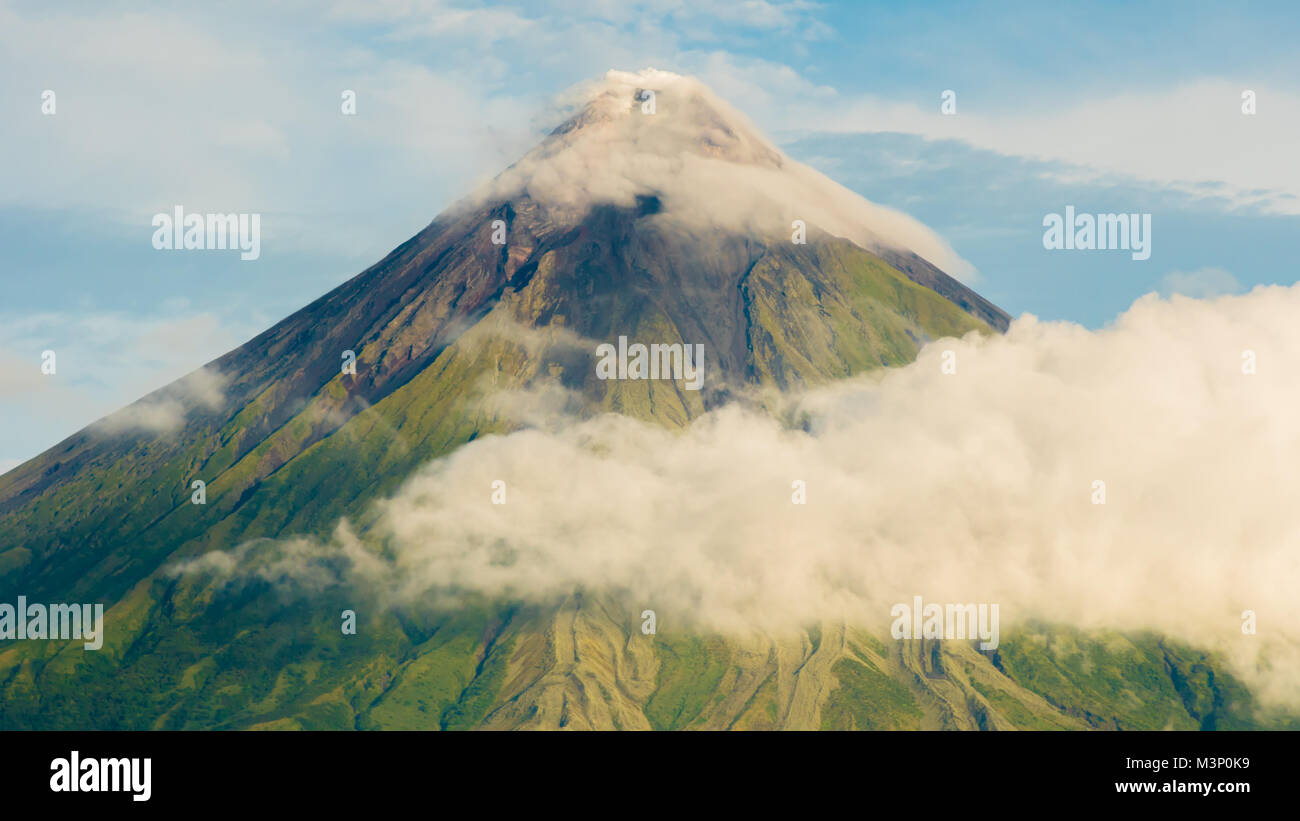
[{"x": 708, "y": 165}]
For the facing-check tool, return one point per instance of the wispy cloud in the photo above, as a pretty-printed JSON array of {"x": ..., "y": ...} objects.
[
  {"x": 1187, "y": 137},
  {"x": 103, "y": 361},
  {"x": 1203, "y": 282},
  {"x": 167, "y": 411},
  {"x": 979, "y": 485}
]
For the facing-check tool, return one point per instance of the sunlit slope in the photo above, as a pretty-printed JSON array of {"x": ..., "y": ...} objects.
[{"x": 457, "y": 337}]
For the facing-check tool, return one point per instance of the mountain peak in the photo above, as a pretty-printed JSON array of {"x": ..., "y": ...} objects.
[
  {"x": 656, "y": 134},
  {"x": 665, "y": 114},
  {"x": 490, "y": 319}
]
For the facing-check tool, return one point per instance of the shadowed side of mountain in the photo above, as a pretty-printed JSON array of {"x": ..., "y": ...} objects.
[
  {"x": 101, "y": 511},
  {"x": 461, "y": 332}
]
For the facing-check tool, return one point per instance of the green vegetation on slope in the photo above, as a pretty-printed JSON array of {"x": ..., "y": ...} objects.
[{"x": 690, "y": 670}]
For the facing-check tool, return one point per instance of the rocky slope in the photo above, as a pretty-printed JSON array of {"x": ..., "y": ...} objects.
[{"x": 445, "y": 323}]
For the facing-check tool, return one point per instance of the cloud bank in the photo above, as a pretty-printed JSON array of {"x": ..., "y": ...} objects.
[{"x": 973, "y": 486}]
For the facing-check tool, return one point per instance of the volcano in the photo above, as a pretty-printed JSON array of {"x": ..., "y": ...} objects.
[{"x": 656, "y": 214}]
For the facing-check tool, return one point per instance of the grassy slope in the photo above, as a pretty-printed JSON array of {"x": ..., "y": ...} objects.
[{"x": 183, "y": 654}]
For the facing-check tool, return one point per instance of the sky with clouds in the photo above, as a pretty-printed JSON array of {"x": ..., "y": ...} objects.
[{"x": 236, "y": 108}]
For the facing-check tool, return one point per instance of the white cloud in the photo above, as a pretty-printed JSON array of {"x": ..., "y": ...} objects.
[
  {"x": 162, "y": 109},
  {"x": 103, "y": 362},
  {"x": 144, "y": 97},
  {"x": 1181, "y": 137},
  {"x": 436, "y": 18},
  {"x": 1203, "y": 282},
  {"x": 708, "y": 165},
  {"x": 168, "y": 411},
  {"x": 138, "y": 100},
  {"x": 968, "y": 487}
]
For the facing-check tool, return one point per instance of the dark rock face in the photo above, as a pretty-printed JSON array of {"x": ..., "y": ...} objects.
[
  {"x": 766, "y": 313},
  {"x": 295, "y": 444}
]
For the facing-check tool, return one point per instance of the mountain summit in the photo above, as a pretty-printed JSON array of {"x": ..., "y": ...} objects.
[
  {"x": 661, "y": 137},
  {"x": 654, "y": 215},
  {"x": 659, "y": 134}
]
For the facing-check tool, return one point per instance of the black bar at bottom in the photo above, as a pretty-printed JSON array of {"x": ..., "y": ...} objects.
[{"x": 666, "y": 771}]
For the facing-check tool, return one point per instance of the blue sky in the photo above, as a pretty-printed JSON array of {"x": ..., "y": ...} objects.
[{"x": 236, "y": 108}]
